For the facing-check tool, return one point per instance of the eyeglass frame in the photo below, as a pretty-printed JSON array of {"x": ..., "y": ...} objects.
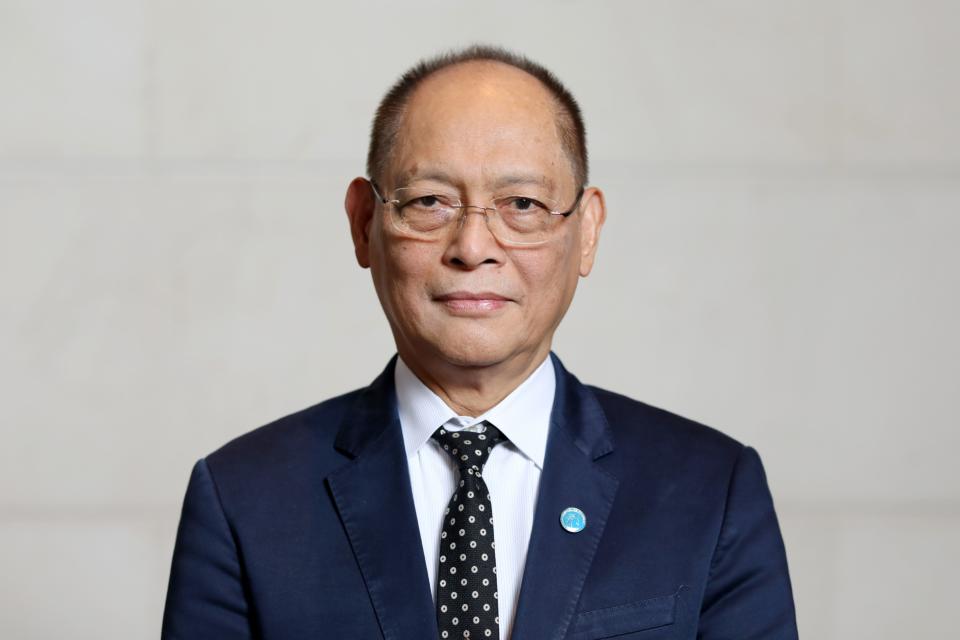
[{"x": 461, "y": 206}]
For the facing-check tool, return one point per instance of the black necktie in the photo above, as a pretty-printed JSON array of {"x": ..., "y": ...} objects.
[{"x": 467, "y": 574}]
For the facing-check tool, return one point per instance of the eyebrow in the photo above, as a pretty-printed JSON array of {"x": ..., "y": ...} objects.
[
  {"x": 508, "y": 180},
  {"x": 511, "y": 180},
  {"x": 434, "y": 175}
]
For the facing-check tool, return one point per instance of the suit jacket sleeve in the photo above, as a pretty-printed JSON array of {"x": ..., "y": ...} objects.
[
  {"x": 205, "y": 597},
  {"x": 748, "y": 594}
]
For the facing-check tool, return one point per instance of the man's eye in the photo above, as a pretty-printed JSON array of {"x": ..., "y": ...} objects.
[
  {"x": 429, "y": 201},
  {"x": 521, "y": 203}
]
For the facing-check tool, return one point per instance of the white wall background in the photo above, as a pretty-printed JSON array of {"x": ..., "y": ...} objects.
[{"x": 780, "y": 261}]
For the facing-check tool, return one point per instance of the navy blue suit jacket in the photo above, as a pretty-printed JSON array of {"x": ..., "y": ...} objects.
[{"x": 306, "y": 528}]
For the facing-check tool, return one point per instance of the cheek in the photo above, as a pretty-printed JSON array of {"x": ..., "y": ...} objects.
[
  {"x": 549, "y": 277},
  {"x": 405, "y": 271}
]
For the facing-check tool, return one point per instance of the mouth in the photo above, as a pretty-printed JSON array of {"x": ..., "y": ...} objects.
[{"x": 472, "y": 303}]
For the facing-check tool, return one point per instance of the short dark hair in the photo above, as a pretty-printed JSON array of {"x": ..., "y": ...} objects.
[{"x": 389, "y": 116}]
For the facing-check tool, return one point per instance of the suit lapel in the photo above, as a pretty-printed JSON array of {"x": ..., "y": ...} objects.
[
  {"x": 373, "y": 497},
  {"x": 558, "y": 561}
]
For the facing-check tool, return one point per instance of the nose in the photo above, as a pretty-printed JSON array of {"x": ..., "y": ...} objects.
[{"x": 471, "y": 243}]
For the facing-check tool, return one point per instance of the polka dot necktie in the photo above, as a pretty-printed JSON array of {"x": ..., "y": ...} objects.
[{"x": 467, "y": 574}]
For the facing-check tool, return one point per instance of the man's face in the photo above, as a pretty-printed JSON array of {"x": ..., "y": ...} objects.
[{"x": 466, "y": 299}]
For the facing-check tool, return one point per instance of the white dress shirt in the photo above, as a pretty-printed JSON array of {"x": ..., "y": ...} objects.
[{"x": 512, "y": 472}]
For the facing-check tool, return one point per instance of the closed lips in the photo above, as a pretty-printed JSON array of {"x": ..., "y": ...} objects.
[{"x": 464, "y": 295}]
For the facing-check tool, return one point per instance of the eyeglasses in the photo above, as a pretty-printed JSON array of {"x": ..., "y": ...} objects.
[{"x": 427, "y": 213}]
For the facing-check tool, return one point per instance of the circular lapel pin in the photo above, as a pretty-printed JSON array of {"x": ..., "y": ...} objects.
[{"x": 573, "y": 520}]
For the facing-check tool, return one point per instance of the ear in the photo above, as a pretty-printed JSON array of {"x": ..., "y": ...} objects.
[
  {"x": 360, "y": 204},
  {"x": 593, "y": 213}
]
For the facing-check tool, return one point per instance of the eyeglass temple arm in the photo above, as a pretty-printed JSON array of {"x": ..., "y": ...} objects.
[
  {"x": 576, "y": 203},
  {"x": 376, "y": 191}
]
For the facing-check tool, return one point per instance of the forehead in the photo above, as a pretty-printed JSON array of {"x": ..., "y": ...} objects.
[{"x": 478, "y": 121}]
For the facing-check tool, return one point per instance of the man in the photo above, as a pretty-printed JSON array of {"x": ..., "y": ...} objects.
[{"x": 371, "y": 515}]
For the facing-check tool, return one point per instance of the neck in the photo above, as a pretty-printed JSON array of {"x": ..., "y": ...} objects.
[{"x": 473, "y": 390}]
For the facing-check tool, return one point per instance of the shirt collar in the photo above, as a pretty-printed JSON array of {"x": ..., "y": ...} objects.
[{"x": 523, "y": 416}]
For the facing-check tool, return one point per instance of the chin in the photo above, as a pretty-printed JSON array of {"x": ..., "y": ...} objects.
[{"x": 473, "y": 350}]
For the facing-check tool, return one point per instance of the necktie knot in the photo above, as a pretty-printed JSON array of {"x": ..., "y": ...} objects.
[{"x": 469, "y": 449}]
